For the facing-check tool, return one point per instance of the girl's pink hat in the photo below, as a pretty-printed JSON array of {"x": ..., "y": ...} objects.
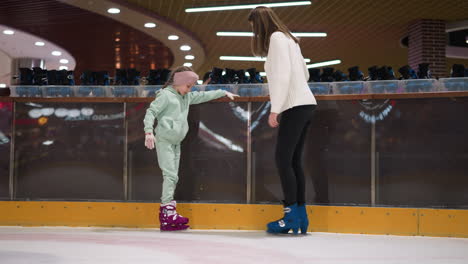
[{"x": 185, "y": 77}]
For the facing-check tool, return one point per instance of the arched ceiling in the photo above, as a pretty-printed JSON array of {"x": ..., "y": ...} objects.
[{"x": 360, "y": 32}]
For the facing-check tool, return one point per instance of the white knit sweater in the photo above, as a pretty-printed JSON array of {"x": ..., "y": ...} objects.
[{"x": 287, "y": 74}]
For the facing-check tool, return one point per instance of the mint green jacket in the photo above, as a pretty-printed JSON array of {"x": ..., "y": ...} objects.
[{"x": 171, "y": 110}]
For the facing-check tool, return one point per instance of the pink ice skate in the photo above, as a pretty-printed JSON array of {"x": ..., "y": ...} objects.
[{"x": 169, "y": 218}]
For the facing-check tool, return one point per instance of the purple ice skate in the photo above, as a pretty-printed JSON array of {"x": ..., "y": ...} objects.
[{"x": 169, "y": 218}]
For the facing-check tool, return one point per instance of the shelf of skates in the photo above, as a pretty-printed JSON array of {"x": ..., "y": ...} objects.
[{"x": 252, "y": 90}]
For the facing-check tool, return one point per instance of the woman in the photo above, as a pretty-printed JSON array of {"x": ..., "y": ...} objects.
[{"x": 291, "y": 97}]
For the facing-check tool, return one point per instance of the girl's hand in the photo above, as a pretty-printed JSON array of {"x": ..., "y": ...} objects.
[
  {"x": 273, "y": 120},
  {"x": 149, "y": 141},
  {"x": 231, "y": 95}
]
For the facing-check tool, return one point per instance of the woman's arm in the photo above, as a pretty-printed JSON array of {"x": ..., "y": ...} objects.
[{"x": 278, "y": 70}]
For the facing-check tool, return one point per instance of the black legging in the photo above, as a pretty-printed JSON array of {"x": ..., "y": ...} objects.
[{"x": 289, "y": 146}]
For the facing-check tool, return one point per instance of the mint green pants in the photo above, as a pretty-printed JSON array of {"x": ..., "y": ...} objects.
[{"x": 168, "y": 160}]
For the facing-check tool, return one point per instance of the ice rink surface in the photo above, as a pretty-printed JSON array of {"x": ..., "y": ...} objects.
[{"x": 60, "y": 245}]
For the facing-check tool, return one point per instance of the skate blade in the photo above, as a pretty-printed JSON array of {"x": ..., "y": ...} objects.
[
  {"x": 185, "y": 228},
  {"x": 291, "y": 234}
]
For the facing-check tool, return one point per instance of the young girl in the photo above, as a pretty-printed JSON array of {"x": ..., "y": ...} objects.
[
  {"x": 171, "y": 108},
  {"x": 290, "y": 95}
]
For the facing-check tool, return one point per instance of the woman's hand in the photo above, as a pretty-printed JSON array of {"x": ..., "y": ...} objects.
[
  {"x": 273, "y": 120},
  {"x": 231, "y": 95},
  {"x": 149, "y": 140}
]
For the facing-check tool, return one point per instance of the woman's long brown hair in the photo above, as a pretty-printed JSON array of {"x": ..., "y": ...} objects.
[{"x": 265, "y": 22}]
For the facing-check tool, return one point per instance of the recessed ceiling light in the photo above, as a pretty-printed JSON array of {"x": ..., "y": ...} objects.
[
  {"x": 189, "y": 57},
  {"x": 48, "y": 142},
  {"x": 309, "y": 34},
  {"x": 56, "y": 53},
  {"x": 113, "y": 10},
  {"x": 64, "y": 61},
  {"x": 8, "y": 32},
  {"x": 234, "y": 34},
  {"x": 188, "y": 64},
  {"x": 150, "y": 25},
  {"x": 63, "y": 68},
  {"x": 249, "y": 6},
  {"x": 39, "y": 43},
  {"x": 250, "y": 34},
  {"x": 325, "y": 63},
  {"x": 173, "y": 37},
  {"x": 185, "y": 47}
]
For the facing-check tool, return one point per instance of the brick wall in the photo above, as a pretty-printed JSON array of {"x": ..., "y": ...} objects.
[{"x": 427, "y": 42}]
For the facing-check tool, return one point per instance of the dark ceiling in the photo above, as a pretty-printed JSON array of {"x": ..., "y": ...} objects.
[
  {"x": 97, "y": 42},
  {"x": 360, "y": 32}
]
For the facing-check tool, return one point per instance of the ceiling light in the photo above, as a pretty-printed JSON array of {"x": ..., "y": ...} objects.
[
  {"x": 39, "y": 43},
  {"x": 173, "y": 37},
  {"x": 48, "y": 142},
  {"x": 35, "y": 113},
  {"x": 250, "y": 34},
  {"x": 325, "y": 63},
  {"x": 246, "y": 58},
  {"x": 63, "y": 68},
  {"x": 8, "y": 32},
  {"x": 309, "y": 34},
  {"x": 64, "y": 61},
  {"x": 250, "y": 6},
  {"x": 74, "y": 113},
  {"x": 87, "y": 111},
  {"x": 241, "y": 58},
  {"x": 185, "y": 47},
  {"x": 234, "y": 34},
  {"x": 188, "y": 64},
  {"x": 150, "y": 25},
  {"x": 113, "y": 10},
  {"x": 61, "y": 112},
  {"x": 47, "y": 111},
  {"x": 56, "y": 53},
  {"x": 189, "y": 57}
]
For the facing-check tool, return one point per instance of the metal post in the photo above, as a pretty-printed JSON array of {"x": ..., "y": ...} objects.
[
  {"x": 125, "y": 156},
  {"x": 373, "y": 160},
  {"x": 377, "y": 176},
  {"x": 249, "y": 153},
  {"x": 12, "y": 154}
]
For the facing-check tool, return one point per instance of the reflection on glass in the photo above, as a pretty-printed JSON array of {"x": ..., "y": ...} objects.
[
  {"x": 63, "y": 152},
  {"x": 75, "y": 151},
  {"x": 6, "y": 111},
  {"x": 421, "y": 154},
  {"x": 213, "y": 157},
  {"x": 336, "y": 156}
]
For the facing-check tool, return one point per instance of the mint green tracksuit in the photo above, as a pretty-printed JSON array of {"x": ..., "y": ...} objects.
[{"x": 171, "y": 110}]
